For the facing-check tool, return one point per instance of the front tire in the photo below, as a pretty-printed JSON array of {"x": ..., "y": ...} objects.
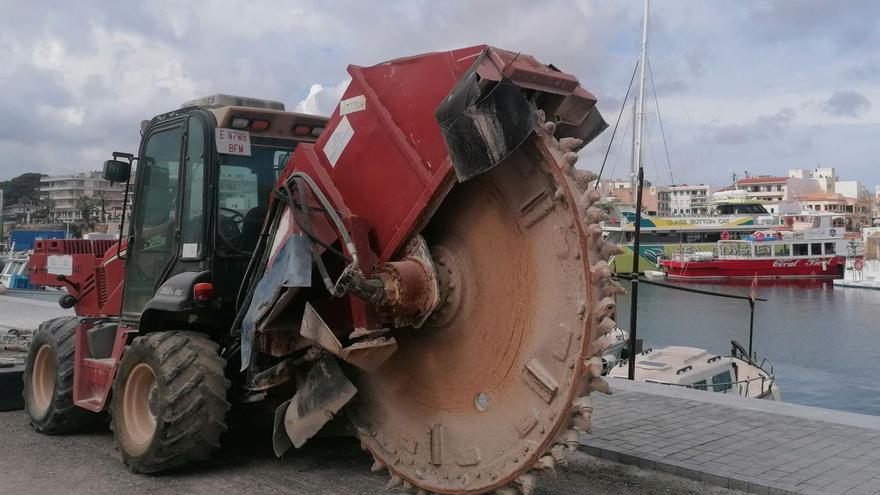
[
  {"x": 169, "y": 401},
  {"x": 48, "y": 379}
]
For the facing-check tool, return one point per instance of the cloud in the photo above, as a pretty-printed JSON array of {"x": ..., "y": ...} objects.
[
  {"x": 78, "y": 77},
  {"x": 321, "y": 99},
  {"x": 846, "y": 104},
  {"x": 848, "y": 26},
  {"x": 864, "y": 71},
  {"x": 763, "y": 128}
]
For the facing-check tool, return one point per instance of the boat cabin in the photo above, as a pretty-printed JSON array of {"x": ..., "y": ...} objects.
[{"x": 691, "y": 367}]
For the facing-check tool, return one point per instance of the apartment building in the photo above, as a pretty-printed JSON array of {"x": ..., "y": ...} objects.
[
  {"x": 63, "y": 191},
  {"x": 687, "y": 200}
]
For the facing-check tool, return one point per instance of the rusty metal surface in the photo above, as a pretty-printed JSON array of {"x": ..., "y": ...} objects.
[
  {"x": 367, "y": 354},
  {"x": 490, "y": 395},
  {"x": 412, "y": 291}
]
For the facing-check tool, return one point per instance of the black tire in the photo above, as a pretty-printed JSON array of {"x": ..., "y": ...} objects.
[
  {"x": 186, "y": 401},
  {"x": 60, "y": 415}
]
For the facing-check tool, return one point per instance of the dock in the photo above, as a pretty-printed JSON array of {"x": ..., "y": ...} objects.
[{"x": 756, "y": 446}]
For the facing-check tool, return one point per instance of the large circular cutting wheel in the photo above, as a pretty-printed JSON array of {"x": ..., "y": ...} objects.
[{"x": 481, "y": 395}]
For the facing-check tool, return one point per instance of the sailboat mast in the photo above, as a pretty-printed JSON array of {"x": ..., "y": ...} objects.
[
  {"x": 640, "y": 113},
  {"x": 637, "y": 229}
]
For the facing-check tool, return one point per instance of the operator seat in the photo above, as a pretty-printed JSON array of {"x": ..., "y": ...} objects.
[{"x": 251, "y": 227}]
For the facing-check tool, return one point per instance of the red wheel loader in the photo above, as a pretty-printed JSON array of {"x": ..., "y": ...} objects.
[{"x": 425, "y": 263}]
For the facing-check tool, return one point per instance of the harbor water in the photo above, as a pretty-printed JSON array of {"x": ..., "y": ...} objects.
[{"x": 822, "y": 341}]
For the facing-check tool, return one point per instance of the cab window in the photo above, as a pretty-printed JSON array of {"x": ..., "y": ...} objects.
[{"x": 192, "y": 217}]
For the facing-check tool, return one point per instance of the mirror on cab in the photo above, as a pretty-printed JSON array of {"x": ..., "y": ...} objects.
[{"x": 117, "y": 170}]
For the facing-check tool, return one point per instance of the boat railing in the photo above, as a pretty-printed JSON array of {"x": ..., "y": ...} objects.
[{"x": 743, "y": 387}]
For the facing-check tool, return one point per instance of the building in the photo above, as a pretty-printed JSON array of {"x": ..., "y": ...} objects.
[
  {"x": 850, "y": 213},
  {"x": 773, "y": 189},
  {"x": 655, "y": 199},
  {"x": 685, "y": 199},
  {"x": 62, "y": 192},
  {"x": 20, "y": 212}
]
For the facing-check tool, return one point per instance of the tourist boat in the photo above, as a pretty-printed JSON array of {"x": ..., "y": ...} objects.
[
  {"x": 698, "y": 369},
  {"x": 661, "y": 237},
  {"x": 806, "y": 245},
  {"x": 863, "y": 269}
]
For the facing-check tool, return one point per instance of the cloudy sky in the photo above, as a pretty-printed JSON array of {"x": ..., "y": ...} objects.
[{"x": 742, "y": 86}]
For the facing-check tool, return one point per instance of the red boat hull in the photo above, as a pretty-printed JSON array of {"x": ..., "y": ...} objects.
[{"x": 818, "y": 267}]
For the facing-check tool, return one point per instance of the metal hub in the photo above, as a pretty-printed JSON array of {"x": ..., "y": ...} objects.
[
  {"x": 452, "y": 289},
  {"x": 473, "y": 402},
  {"x": 139, "y": 404},
  {"x": 43, "y": 381}
]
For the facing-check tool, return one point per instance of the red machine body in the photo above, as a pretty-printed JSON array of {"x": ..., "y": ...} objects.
[
  {"x": 382, "y": 159},
  {"x": 382, "y": 155},
  {"x": 90, "y": 270},
  {"x": 93, "y": 273}
]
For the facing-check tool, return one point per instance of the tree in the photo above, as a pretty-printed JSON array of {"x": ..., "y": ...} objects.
[
  {"x": 86, "y": 206},
  {"x": 24, "y": 188},
  {"x": 44, "y": 209}
]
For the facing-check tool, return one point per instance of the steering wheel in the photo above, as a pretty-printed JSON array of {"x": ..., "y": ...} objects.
[
  {"x": 237, "y": 216},
  {"x": 231, "y": 224}
]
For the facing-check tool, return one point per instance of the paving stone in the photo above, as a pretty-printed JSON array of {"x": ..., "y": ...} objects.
[{"x": 750, "y": 450}]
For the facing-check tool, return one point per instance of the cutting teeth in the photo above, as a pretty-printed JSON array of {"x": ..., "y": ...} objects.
[
  {"x": 570, "y": 143},
  {"x": 394, "y": 482},
  {"x": 507, "y": 490},
  {"x": 599, "y": 385},
  {"x": 605, "y": 307},
  {"x": 598, "y": 346},
  {"x": 571, "y": 439},
  {"x": 592, "y": 367},
  {"x": 589, "y": 197},
  {"x": 612, "y": 288},
  {"x": 601, "y": 270},
  {"x": 583, "y": 178},
  {"x": 527, "y": 483},
  {"x": 569, "y": 158},
  {"x": 596, "y": 215},
  {"x": 546, "y": 464},
  {"x": 559, "y": 452},
  {"x": 610, "y": 249},
  {"x": 605, "y": 326}
]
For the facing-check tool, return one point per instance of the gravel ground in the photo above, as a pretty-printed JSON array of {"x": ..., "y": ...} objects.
[{"x": 87, "y": 463}]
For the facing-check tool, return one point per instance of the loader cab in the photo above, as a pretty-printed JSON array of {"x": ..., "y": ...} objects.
[{"x": 204, "y": 177}]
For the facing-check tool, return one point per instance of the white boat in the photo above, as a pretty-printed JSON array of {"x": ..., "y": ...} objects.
[
  {"x": 691, "y": 367},
  {"x": 14, "y": 274},
  {"x": 863, "y": 271}
]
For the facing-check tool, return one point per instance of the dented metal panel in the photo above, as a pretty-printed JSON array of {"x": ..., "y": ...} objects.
[{"x": 292, "y": 267}]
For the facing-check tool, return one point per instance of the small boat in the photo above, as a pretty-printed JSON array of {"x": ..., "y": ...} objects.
[
  {"x": 655, "y": 275},
  {"x": 15, "y": 274},
  {"x": 805, "y": 246},
  {"x": 691, "y": 367}
]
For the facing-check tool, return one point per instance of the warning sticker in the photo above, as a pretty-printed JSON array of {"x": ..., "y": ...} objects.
[
  {"x": 334, "y": 146},
  {"x": 352, "y": 105},
  {"x": 59, "y": 265},
  {"x": 233, "y": 142}
]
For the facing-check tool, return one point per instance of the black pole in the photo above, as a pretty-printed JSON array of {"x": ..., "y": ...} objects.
[
  {"x": 751, "y": 325},
  {"x": 634, "y": 290}
]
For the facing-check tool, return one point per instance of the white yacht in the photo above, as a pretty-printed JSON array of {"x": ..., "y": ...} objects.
[
  {"x": 863, "y": 269},
  {"x": 695, "y": 368}
]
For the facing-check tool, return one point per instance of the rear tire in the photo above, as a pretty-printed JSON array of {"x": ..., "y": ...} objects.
[
  {"x": 48, "y": 379},
  {"x": 169, "y": 401}
]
